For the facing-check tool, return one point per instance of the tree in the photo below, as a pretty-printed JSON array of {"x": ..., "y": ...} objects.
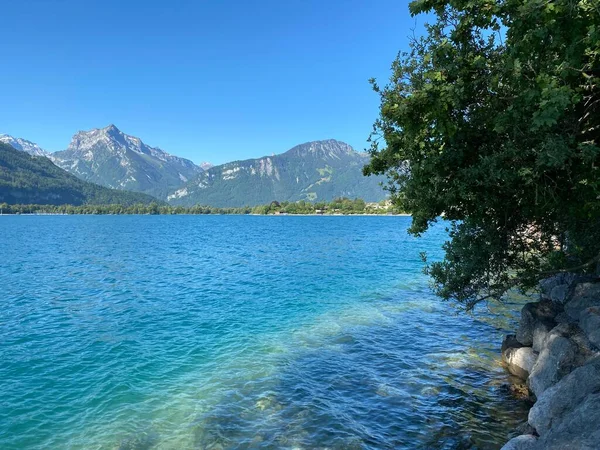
[{"x": 492, "y": 119}]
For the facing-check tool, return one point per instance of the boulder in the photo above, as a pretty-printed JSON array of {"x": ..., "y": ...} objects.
[
  {"x": 509, "y": 341},
  {"x": 520, "y": 361},
  {"x": 555, "y": 360},
  {"x": 562, "y": 279},
  {"x": 557, "y": 402},
  {"x": 533, "y": 315},
  {"x": 585, "y": 295},
  {"x": 576, "y": 429},
  {"x": 540, "y": 334},
  {"x": 560, "y": 294},
  {"x": 563, "y": 317},
  {"x": 589, "y": 321},
  {"x": 523, "y": 442}
]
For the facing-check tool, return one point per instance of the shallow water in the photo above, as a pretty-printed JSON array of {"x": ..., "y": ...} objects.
[{"x": 158, "y": 332}]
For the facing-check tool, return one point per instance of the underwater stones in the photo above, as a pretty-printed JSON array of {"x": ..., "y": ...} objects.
[
  {"x": 141, "y": 441},
  {"x": 536, "y": 315},
  {"x": 523, "y": 442}
]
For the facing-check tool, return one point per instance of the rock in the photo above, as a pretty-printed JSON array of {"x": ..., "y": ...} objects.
[
  {"x": 557, "y": 402},
  {"x": 525, "y": 428},
  {"x": 563, "y": 317},
  {"x": 520, "y": 361},
  {"x": 589, "y": 321},
  {"x": 575, "y": 334},
  {"x": 554, "y": 361},
  {"x": 533, "y": 315},
  {"x": 548, "y": 284},
  {"x": 577, "y": 429},
  {"x": 509, "y": 341},
  {"x": 560, "y": 294},
  {"x": 585, "y": 295},
  {"x": 523, "y": 442},
  {"x": 540, "y": 334}
]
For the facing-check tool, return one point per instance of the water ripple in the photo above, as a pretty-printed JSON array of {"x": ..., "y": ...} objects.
[{"x": 239, "y": 332}]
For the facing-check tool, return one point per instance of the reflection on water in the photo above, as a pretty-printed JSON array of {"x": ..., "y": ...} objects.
[{"x": 240, "y": 332}]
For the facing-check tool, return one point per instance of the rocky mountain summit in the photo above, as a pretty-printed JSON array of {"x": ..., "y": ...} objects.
[
  {"x": 314, "y": 171},
  {"x": 111, "y": 158},
  {"x": 557, "y": 351}
]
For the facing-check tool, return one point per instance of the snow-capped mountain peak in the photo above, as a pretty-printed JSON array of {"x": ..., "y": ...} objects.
[{"x": 23, "y": 145}]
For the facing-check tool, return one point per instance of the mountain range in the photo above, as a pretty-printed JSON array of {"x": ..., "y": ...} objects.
[
  {"x": 36, "y": 180},
  {"x": 314, "y": 171}
]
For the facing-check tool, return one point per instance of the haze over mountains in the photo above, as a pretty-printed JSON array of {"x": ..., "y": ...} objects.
[{"x": 315, "y": 171}]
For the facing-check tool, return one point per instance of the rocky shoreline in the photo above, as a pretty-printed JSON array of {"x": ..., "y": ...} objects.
[{"x": 556, "y": 352}]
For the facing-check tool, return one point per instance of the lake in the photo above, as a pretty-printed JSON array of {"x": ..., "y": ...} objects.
[{"x": 176, "y": 332}]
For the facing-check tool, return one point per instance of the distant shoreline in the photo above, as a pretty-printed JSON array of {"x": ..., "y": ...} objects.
[{"x": 223, "y": 214}]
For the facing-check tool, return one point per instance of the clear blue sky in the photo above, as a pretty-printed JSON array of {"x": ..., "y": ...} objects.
[{"x": 207, "y": 80}]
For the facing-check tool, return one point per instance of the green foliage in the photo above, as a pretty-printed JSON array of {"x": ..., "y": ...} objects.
[
  {"x": 35, "y": 179},
  {"x": 492, "y": 120},
  {"x": 338, "y": 206}
]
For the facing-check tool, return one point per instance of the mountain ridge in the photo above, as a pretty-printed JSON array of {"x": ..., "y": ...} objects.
[
  {"x": 30, "y": 179},
  {"x": 313, "y": 171}
]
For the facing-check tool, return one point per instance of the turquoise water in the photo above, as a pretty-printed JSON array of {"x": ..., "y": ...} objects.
[{"x": 158, "y": 332}]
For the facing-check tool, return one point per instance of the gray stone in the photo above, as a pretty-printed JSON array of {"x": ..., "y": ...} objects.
[
  {"x": 520, "y": 361},
  {"x": 563, "y": 317},
  {"x": 558, "y": 401},
  {"x": 560, "y": 294},
  {"x": 589, "y": 321},
  {"x": 523, "y": 442},
  {"x": 548, "y": 284},
  {"x": 540, "y": 333},
  {"x": 577, "y": 429},
  {"x": 555, "y": 360},
  {"x": 509, "y": 341},
  {"x": 538, "y": 314},
  {"x": 575, "y": 334},
  {"x": 585, "y": 295}
]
